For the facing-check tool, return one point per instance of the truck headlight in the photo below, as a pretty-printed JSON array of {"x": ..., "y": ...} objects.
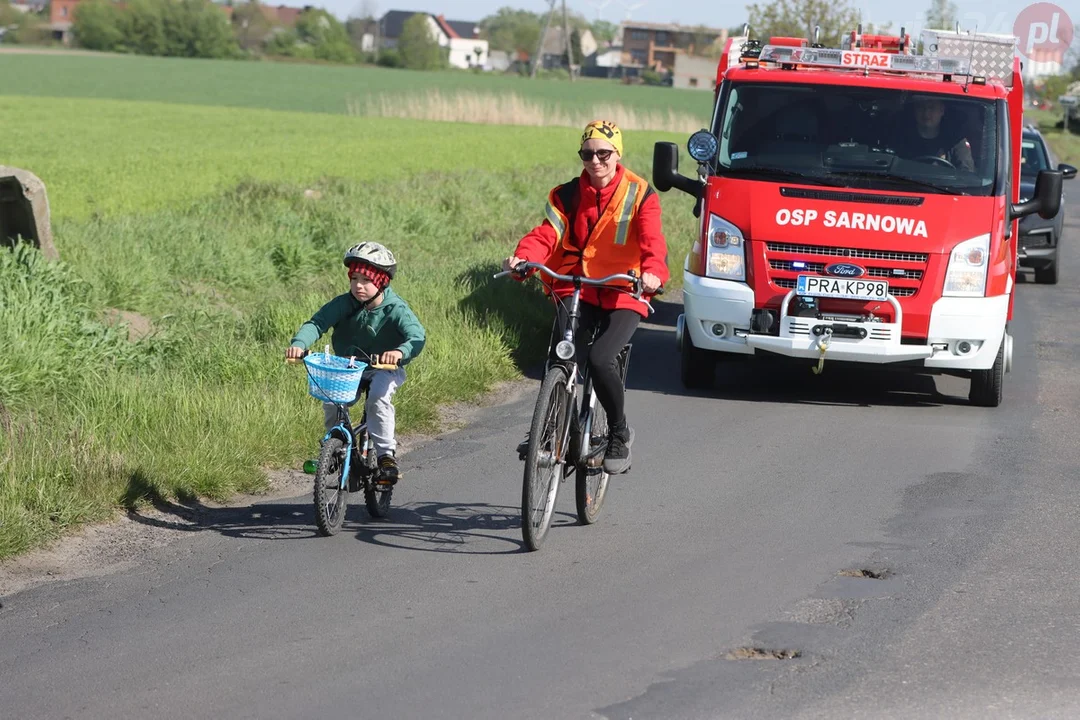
[
  {"x": 968, "y": 264},
  {"x": 725, "y": 250}
]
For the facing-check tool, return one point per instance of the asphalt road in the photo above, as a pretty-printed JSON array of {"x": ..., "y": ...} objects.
[{"x": 745, "y": 508}]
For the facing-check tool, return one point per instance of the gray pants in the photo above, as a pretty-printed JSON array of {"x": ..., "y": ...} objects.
[{"x": 380, "y": 409}]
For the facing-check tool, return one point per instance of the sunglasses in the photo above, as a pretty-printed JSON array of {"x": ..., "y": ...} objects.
[{"x": 601, "y": 155}]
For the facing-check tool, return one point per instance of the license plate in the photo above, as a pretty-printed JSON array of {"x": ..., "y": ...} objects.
[{"x": 845, "y": 288}]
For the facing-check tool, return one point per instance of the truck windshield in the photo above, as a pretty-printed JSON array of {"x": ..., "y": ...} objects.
[{"x": 859, "y": 137}]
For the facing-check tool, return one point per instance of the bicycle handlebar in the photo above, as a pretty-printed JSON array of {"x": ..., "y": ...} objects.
[
  {"x": 520, "y": 271},
  {"x": 375, "y": 366}
]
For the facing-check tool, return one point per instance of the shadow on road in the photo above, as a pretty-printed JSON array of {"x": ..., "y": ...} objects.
[
  {"x": 460, "y": 528},
  {"x": 448, "y": 528},
  {"x": 655, "y": 367}
]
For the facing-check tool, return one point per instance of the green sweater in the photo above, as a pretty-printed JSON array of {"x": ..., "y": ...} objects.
[{"x": 390, "y": 326}]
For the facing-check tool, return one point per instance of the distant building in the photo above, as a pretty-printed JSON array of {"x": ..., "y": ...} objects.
[
  {"x": 695, "y": 73},
  {"x": 655, "y": 45},
  {"x": 461, "y": 38}
]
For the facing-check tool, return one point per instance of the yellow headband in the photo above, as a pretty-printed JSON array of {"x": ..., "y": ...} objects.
[{"x": 604, "y": 130}]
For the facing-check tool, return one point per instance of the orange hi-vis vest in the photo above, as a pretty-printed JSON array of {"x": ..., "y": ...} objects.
[{"x": 612, "y": 247}]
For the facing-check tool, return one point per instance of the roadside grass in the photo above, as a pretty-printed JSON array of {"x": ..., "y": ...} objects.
[
  {"x": 90, "y": 421},
  {"x": 1065, "y": 145},
  {"x": 107, "y": 157},
  {"x": 307, "y": 88}
]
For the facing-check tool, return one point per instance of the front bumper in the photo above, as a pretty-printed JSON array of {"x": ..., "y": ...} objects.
[{"x": 964, "y": 333}]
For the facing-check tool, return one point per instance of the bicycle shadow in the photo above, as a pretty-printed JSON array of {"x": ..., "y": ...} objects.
[
  {"x": 445, "y": 528},
  {"x": 269, "y": 520},
  {"x": 458, "y": 528}
]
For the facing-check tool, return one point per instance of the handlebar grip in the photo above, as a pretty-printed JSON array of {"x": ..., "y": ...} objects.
[{"x": 382, "y": 366}]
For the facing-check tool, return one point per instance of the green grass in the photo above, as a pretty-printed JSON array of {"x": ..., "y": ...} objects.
[
  {"x": 101, "y": 156},
  {"x": 299, "y": 87},
  {"x": 197, "y": 219},
  {"x": 1065, "y": 145}
]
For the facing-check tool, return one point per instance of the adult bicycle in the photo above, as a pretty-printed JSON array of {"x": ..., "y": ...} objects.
[
  {"x": 569, "y": 430},
  {"x": 347, "y": 462}
]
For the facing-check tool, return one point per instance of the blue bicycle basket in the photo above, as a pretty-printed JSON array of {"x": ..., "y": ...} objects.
[{"x": 332, "y": 378}]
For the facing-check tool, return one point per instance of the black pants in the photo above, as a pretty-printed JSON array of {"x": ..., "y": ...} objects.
[{"x": 614, "y": 329}]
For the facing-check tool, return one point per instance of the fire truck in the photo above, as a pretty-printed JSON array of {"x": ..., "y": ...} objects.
[{"x": 858, "y": 204}]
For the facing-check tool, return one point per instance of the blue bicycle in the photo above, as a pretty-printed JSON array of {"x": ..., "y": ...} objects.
[{"x": 346, "y": 461}]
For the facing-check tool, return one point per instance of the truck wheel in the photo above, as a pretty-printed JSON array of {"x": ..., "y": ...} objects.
[
  {"x": 1048, "y": 275},
  {"x": 986, "y": 384},
  {"x": 697, "y": 364}
]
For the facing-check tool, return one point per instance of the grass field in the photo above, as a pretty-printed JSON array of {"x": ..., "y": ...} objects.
[
  {"x": 309, "y": 88},
  {"x": 199, "y": 221}
]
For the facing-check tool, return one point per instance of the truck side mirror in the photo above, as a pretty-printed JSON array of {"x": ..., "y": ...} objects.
[
  {"x": 1068, "y": 172},
  {"x": 666, "y": 171},
  {"x": 1047, "y": 198}
]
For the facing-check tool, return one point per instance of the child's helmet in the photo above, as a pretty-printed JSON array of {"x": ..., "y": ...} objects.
[{"x": 374, "y": 254}]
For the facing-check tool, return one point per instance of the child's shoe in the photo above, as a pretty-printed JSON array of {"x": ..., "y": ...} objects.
[{"x": 388, "y": 470}]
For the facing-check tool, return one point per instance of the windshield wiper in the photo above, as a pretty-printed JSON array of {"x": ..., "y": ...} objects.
[
  {"x": 782, "y": 173},
  {"x": 899, "y": 180}
]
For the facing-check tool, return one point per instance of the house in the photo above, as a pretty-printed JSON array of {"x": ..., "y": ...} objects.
[
  {"x": 553, "y": 49},
  {"x": 462, "y": 39},
  {"x": 655, "y": 45},
  {"x": 695, "y": 73}
]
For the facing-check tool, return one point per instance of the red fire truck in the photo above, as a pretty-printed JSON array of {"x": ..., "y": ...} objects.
[{"x": 858, "y": 204}]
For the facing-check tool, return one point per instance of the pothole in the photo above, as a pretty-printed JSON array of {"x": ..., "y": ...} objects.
[
  {"x": 871, "y": 574},
  {"x": 752, "y": 653}
]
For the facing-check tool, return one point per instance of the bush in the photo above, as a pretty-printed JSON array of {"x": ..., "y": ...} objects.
[{"x": 389, "y": 59}]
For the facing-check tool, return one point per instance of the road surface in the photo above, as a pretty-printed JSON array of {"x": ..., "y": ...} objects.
[{"x": 745, "y": 525}]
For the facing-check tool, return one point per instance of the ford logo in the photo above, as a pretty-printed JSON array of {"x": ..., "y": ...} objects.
[{"x": 845, "y": 270}]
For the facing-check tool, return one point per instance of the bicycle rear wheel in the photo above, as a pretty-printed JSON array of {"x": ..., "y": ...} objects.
[
  {"x": 330, "y": 492},
  {"x": 592, "y": 481},
  {"x": 543, "y": 462}
]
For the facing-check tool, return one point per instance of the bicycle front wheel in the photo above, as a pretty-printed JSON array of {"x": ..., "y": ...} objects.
[
  {"x": 544, "y": 460},
  {"x": 330, "y": 491},
  {"x": 592, "y": 481}
]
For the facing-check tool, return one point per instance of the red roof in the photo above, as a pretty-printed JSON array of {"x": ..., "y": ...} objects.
[{"x": 450, "y": 32}]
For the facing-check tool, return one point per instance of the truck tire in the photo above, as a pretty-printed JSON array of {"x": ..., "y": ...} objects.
[
  {"x": 1048, "y": 275},
  {"x": 986, "y": 384},
  {"x": 697, "y": 365}
]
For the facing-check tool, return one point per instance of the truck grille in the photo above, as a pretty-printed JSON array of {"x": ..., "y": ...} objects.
[
  {"x": 903, "y": 270},
  {"x": 847, "y": 252}
]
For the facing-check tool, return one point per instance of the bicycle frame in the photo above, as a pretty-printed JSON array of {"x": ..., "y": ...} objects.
[{"x": 348, "y": 434}]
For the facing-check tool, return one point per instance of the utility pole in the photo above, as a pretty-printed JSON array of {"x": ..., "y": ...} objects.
[
  {"x": 569, "y": 45},
  {"x": 540, "y": 45}
]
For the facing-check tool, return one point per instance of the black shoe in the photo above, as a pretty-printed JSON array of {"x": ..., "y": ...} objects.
[
  {"x": 523, "y": 447},
  {"x": 388, "y": 471},
  {"x": 617, "y": 457}
]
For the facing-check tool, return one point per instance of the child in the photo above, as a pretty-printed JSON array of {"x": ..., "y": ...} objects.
[{"x": 369, "y": 320}]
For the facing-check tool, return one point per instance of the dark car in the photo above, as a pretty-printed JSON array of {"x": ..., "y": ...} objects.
[{"x": 1040, "y": 238}]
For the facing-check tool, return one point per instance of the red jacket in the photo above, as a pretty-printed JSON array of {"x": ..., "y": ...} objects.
[{"x": 539, "y": 244}]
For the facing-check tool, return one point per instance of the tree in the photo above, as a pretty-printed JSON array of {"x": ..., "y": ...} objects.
[
  {"x": 326, "y": 35},
  {"x": 604, "y": 31},
  {"x": 942, "y": 15},
  {"x": 250, "y": 25},
  {"x": 512, "y": 30},
  {"x": 97, "y": 25},
  {"x": 418, "y": 47},
  {"x": 798, "y": 18},
  {"x": 8, "y": 15}
]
